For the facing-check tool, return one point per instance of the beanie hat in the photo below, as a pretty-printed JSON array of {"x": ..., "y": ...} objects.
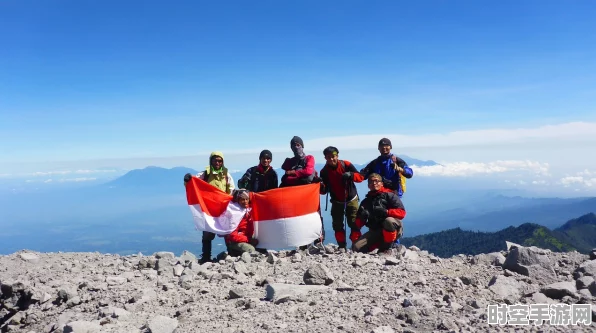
[
  {"x": 265, "y": 153},
  {"x": 385, "y": 142},
  {"x": 295, "y": 140},
  {"x": 330, "y": 150}
]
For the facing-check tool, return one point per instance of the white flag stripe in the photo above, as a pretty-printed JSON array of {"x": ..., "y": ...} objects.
[
  {"x": 221, "y": 225},
  {"x": 288, "y": 232}
]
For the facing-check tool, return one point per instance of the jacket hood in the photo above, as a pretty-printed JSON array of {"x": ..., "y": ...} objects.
[{"x": 375, "y": 193}]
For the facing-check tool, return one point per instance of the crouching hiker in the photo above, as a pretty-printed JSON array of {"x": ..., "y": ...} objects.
[
  {"x": 241, "y": 240},
  {"x": 382, "y": 212}
]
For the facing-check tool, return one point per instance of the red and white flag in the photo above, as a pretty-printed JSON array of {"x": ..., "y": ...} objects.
[
  {"x": 283, "y": 217},
  {"x": 287, "y": 217},
  {"x": 211, "y": 208}
]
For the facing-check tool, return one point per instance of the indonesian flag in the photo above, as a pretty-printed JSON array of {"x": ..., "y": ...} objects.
[
  {"x": 283, "y": 217},
  {"x": 211, "y": 208},
  {"x": 287, "y": 216}
]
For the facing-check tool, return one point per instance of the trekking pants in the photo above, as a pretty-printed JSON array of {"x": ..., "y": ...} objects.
[
  {"x": 381, "y": 238},
  {"x": 236, "y": 249},
  {"x": 339, "y": 210},
  {"x": 208, "y": 238}
]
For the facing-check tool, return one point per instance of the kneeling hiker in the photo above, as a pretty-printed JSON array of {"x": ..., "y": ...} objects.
[
  {"x": 338, "y": 180},
  {"x": 381, "y": 211},
  {"x": 241, "y": 240}
]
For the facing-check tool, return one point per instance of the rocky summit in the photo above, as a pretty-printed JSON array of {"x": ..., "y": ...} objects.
[{"x": 316, "y": 290}]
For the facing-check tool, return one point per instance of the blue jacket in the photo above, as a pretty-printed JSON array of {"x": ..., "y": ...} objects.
[{"x": 383, "y": 165}]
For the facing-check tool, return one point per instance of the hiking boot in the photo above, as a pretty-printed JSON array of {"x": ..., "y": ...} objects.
[{"x": 204, "y": 260}]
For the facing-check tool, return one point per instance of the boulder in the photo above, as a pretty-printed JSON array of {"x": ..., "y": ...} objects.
[
  {"x": 162, "y": 324},
  {"x": 505, "y": 288},
  {"x": 559, "y": 290},
  {"x": 318, "y": 274},
  {"x": 82, "y": 327}
]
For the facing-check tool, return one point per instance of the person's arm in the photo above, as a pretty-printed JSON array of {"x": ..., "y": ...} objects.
[
  {"x": 274, "y": 180},
  {"x": 368, "y": 169},
  {"x": 357, "y": 177},
  {"x": 230, "y": 183},
  {"x": 361, "y": 215},
  {"x": 238, "y": 236},
  {"x": 395, "y": 207},
  {"x": 407, "y": 171},
  {"x": 309, "y": 169},
  {"x": 286, "y": 164},
  {"x": 243, "y": 182}
]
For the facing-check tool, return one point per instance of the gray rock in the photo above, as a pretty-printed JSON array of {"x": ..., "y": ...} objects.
[
  {"x": 82, "y": 327},
  {"x": 383, "y": 329},
  {"x": 584, "y": 282},
  {"x": 494, "y": 258},
  {"x": 178, "y": 269},
  {"x": 411, "y": 255},
  {"x": 186, "y": 282},
  {"x": 165, "y": 255},
  {"x": 318, "y": 274},
  {"x": 587, "y": 268},
  {"x": 187, "y": 257},
  {"x": 162, "y": 324},
  {"x": 297, "y": 257},
  {"x": 73, "y": 302},
  {"x": 164, "y": 266},
  {"x": 246, "y": 258},
  {"x": 240, "y": 268},
  {"x": 505, "y": 288},
  {"x": 66, "y": 293},
  {"x": 271, "y": 258},
  {"x": 529, "y": 261},
  {"x": 559, "y": 290},
  {"x": 115, "y": 280},
  {"x": 236, "y": 293},
  {"x": 29, "y": 257},
  {"x": 374, "y": 311},
  {"x": 585, "y": 293},
  {"x": 391, "y": 261},
  {"x": 279, "y": 290},
  {"x": 593, "y": 254}
]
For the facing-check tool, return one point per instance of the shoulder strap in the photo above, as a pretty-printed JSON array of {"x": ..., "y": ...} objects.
[
  {"x": 205, "y": 175},
  {"x": 343, "y": 165}
]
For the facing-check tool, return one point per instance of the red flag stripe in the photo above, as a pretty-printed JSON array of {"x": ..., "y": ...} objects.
[
  {"x": 212, "y": 200},
  {"x": 285, "y": 202}
]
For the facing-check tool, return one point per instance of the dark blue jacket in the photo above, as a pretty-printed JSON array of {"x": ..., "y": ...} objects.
[{"x": 383, "y": 165}]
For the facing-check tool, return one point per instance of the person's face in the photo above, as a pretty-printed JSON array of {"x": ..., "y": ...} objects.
[
  {"x": 217, "y": 162},
  {"x": 243, "y": 202},
  {"x": 332, "y": 159},
  {"x": 375, "y": 184},
  {"x": 265, "y": 161},
  {"x": 385, "y": 149}
]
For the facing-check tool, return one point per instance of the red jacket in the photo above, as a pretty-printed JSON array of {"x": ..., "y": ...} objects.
[
  {"x": 243, "y": 232},
  {"x": 336, "y": 186},
  {"x": 304, "y": 167}
]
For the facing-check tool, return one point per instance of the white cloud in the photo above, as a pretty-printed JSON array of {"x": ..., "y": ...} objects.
[
  {"x": 539, "y": 182},
  {"x": 47, "y": 181},
  {"x": 67, "y": 172},
  {"x": 82, "y": 179},
  {"x": 459, "y": 169},
  {"x": 573, "y": 130},
  {"x": 584, "y": 181},
  {"x": 5, "y": 175}
]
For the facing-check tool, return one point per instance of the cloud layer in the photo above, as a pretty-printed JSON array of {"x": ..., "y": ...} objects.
[
  {"x": 586, "y": 179},
  {"x": 461, "y": 169}
]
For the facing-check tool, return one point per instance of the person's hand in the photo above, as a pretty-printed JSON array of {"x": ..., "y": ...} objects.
[
  {"x": 364, "y": 214},
  {"x": 347, "y": 176},
  {"x": 380, "y": 212},
  {"x": 187, "y": 178},
  {"x": 291, "y": 172},
  {"x": 254, "y": 242},
  {"x": 317, "y": 180},
  {"x": 399, "y": 169}
]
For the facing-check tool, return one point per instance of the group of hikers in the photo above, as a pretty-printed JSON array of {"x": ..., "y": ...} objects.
[{"x": 382, "y": 210}]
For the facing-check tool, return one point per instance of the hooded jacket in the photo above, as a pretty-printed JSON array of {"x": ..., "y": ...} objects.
[{"x": 220, "y": 179}]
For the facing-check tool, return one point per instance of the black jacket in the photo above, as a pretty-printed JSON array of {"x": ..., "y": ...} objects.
[
  {"x": 386, "y": 199},
  {"x": 256, "y": 181}
]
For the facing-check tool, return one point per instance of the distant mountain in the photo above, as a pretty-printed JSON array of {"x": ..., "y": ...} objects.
[
  {"x": 492, "y": 213},
  {"x": 455, "y": 241},
  {"x": 151, "y": 177},
  {"x": 581, "y": 232}
]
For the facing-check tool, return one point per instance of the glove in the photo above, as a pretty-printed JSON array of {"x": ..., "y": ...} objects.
[
  {"x": 187, "y": 178},
  {"x": 364, "y": 214},
  {"x": 317, "y": 180},
  {"x": 254, "y": 241},
  {"x": 347, "y": 176},
  {"x": 380, "y": 212}
]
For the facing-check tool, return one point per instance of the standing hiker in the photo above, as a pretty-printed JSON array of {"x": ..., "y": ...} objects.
[
  {"x": 338, "y": 177},
  {"x": 300, "y": 170},
  {"x": 217, "y": 175},
  {"x": 392, "y": 169},
  {"x": 261, "y": 177}
]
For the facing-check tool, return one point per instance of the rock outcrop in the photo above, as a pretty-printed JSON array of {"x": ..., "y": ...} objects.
[{"x": 289, "y": 291}]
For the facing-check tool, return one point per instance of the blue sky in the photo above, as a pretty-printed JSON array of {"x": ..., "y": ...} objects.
[{"x": 84, "y": 80}]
